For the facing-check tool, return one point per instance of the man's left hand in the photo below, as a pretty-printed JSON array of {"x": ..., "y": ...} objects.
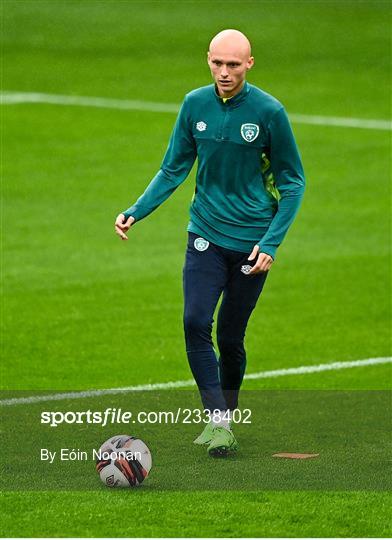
[{"x": 263, "y": 263}]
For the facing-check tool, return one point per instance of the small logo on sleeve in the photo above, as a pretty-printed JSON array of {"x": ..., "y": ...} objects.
[
  {"x": 201, "y": 244},
  {"x": 250, "y": 132},
  {"x": 201, "y": 126}
]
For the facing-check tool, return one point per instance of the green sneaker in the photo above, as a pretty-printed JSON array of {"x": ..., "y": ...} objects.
[
  {"x": 223, "y": 442},
  {"x": 205, "y": 436}
]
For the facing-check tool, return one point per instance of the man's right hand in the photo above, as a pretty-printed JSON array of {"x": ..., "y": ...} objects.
[{"x": 121, "y": 225}]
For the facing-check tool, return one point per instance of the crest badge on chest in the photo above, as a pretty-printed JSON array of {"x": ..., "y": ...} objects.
[{"x": 250, "y": 132}]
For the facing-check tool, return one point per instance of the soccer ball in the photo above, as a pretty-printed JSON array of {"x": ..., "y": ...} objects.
[{"x": 123, "y": 461}]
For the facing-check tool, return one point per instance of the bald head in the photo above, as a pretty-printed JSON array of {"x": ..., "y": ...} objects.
[
  {"x": 230, "y": 42},
  {"x": 229, "y": 58}
]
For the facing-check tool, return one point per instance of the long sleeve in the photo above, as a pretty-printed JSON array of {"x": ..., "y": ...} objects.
[
  {"x": 288, "y": 175},
  {"x": 176, "y": 165}
]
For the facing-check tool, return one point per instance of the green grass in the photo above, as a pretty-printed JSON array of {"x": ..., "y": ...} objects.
[
  {"x": 83, "y": 310},
  {"x": 198, "y": 514},
  {"x": 349, "y": 430}
]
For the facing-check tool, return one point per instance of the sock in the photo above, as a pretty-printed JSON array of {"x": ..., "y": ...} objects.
[{"x": 220, "y": 419}]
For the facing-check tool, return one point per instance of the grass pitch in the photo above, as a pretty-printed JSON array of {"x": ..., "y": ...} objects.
[{"x": 83, "y": 310}]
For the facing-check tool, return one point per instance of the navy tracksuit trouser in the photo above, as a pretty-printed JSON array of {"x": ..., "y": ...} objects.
[{"x": 209, "y": 272}]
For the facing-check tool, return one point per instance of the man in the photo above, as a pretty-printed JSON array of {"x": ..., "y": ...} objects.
[{"x": 248, "y": 189}]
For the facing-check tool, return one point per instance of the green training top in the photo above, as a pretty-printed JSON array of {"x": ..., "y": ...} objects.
[{"x": 250, "y": 179}]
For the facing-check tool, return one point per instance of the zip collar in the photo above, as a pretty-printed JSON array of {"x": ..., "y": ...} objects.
[{"x": 235, "y": 100}]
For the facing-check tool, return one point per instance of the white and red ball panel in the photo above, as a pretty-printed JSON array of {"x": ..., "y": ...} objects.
[{"x": 126, "y": 461}]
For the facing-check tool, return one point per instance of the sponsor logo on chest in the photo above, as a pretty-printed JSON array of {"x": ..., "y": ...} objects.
[
  {"x": 201, "y": 126},
  {"x": 249, "y": 132}
]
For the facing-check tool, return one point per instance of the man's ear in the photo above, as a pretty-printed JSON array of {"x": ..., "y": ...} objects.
[
  {"x": 208, "y": 57},
  {"x": 251, "y": 62}
]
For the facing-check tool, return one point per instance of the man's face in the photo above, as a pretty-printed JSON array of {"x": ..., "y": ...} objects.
[{"x": 229, "y": 71}]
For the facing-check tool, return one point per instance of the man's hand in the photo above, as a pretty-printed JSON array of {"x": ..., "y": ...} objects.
[
  {"x": 122, "y": 225},
  {"x": 263, "y": 263}
]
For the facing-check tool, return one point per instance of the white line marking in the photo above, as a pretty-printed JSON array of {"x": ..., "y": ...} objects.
[
  {"x": 301, "y": 370},
  {"x": 341, "y": 122},
  {"x": 13, "y": 98}
]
